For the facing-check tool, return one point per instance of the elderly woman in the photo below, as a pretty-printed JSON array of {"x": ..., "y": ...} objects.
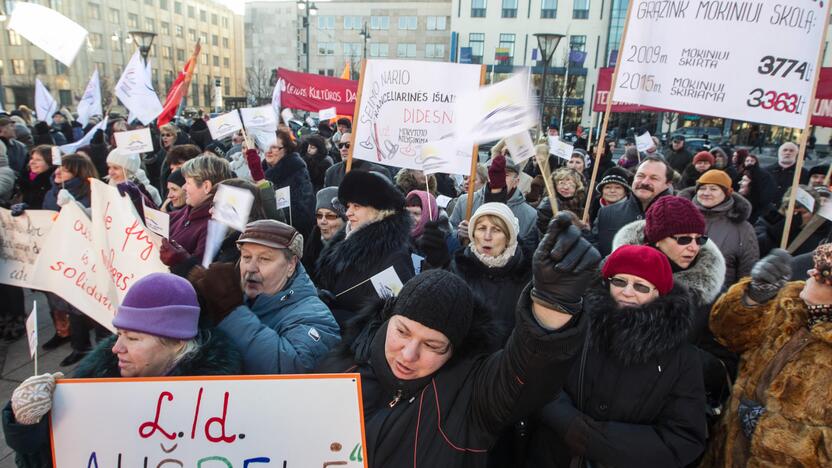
[
  {"x": 157, "y": 337},
  {"x": 123, "y": 167},
  {"x": 636, "y": 396},
  {"x": 423, "y": 209},
  {"x": 330, "y": 218},
  {"x": 570, "y": 190},
  {"x": 283, "y": 167},
  {"x": 613, "y": 188},
  {"x": 375, "y": 237}
]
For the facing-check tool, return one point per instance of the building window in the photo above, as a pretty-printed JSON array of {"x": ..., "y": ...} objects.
[
  {"x": 353, "y": 22},
  {"x": 191, "y": 33},
  {"x": 214, "y": 19},
  {"x": 577, "y": 43},
  {"x": 14, "y": 38},
  {"x": 478, "y": 8},
  {"x": 326, "y": 22},
  {"x": 380, "y": 22},
  {"x": 180, "y": 31},
  {"x": 205, "y": 59},
  {"x": 18, "y": 67},
  {"x": 326, "y": 48},
  {"x": 549, "y": 8},
  {"x": 353, "y": 49},
  {"x": 96, "y": 41},
  {"x": 408, "y": 23},
  {"x": 148, "y": 2},
  {"x": 580, "y": 9},
  {"x": 177, "y": 8},
  {"x": 406, "y": 50},
  {"x": 95, "y": 11},
  {"x": 194, "y": 93},
  {"x": 180, "y": 55},
  {"x": 165, "y": 27},
  {"x": 225, "y": 42},
  {"x": 60, "y": 68},
  {"x": 163, "y": 4},
  {"x": 379, "y": 50},
  {"x": 505, "y": 49},
  {"x": 65, "y": 96},
  {"x": 191, "y": 11},
  {"x": 435, "y": 51},
  {"x": 132, "y": 20},
  {"x": 39, "y": 66},
  {"x": 216, "y": 60},
  {"x": 150, "y": 24},
  {"x": 227, "y": 85},
  {"x": 203, "y": 15},
  {"x": 215, "y": 40},
  {"x": 436, "y": 23},
  {"x": 476, "y": 41},
  {"x": 224, "y": 22},
  {"x": 115, "y": 16},
  {"x": 166, "y": 51},
  {"x": 225, "y": 62},
  {"x": 509, "y": 9}
]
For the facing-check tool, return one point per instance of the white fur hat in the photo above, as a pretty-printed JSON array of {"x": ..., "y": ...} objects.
[{"x": 130, "y": 162}]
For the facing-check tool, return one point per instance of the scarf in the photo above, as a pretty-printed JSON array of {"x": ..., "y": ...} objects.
[{"x": 498, "y": 261}]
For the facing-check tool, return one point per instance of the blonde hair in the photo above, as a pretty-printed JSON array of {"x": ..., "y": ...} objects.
[
  {"x": 207, "y": 167},
  {"x": 497, "y": 221}
]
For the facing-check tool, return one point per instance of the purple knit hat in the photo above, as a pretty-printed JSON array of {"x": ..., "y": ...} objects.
[
  {"x": 671, "y": 215},
  {"x": 160, "y": 304}
]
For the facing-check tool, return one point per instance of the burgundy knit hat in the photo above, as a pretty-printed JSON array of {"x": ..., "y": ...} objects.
[
  {"x": 704, "y": 156},
  {"x": 160, "y": 304},
  {"x": 671, "y": 215},
  {"x": 643, "y": 261}
]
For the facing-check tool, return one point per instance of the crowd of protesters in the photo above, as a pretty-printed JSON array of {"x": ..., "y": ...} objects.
[{"x": 661, "y": 330}]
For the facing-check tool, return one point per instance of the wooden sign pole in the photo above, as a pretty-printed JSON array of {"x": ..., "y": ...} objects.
[
  {"x": 355, "y": 115},
  {"x": 472, "y": 177}
]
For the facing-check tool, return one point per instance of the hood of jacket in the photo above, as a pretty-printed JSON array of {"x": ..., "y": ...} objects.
[
  {"x": 703, "y": 278},
  {"x": 369, "y": 245},
  {"x": 217, "y": 355},
  {"x": 635, "y": 335},
  {"x": 736, "y": 208},
  {"x": 297, "y": 288}
]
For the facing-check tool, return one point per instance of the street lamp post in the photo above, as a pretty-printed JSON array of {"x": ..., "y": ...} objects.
[
  {"x": 547, "y": 43},
  {"x": 365, "y": 33},
  {"x": 311, "y": 10},
  {"x": 143, "y": 40}
]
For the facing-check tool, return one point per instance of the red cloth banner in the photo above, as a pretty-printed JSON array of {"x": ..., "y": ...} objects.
[
  {"x": 602, "y": 91},
  {"x": 822, "y": 112},
  {"x": 305, "y": 91}
]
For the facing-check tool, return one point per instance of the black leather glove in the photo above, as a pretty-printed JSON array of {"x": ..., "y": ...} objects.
[
  {"x": 219, "y": 288},
  {"x": 563, "y": 266},
  {"x": 432, "y": 244},
  {"x": 326, "y": 297},
  {"x": 769, "y": 275},
  {"x": 544, "y": 215},
  {"x": 19, "y": 208}
]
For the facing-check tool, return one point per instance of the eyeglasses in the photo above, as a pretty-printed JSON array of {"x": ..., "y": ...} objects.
[
  {"x": 685, "y": 240},
  {"x": 168, "y": 134},
  {"x": 621, "y": 283},
  {"x": 343, "y": 145},
  {"x": 328, "y": 216}
]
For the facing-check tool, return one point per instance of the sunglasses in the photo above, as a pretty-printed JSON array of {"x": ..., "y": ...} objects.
[
  {"x": 622, "y": 283},
  {"x": 168, "y": 134},
  {"x": 328, "y": 216},
  {"x": 343, "y": 145},
  {"x": 685, "y": 240}
]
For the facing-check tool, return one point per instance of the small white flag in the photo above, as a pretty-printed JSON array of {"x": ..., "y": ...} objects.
[
  {"x": 45, "y": 104},
  {"x": 520, "y": 147},
  {"x": 278, "y": 88},
  {"x": 283, "y": 196},
  {"x": 326, "y": 114},
  {"x": 90, "y": 103},
  {"x": 223, "y": 125},
  {"x": 72, "y": 147},
  {"x": 232, "y": 205},
  {"x": 644, "y": 142},
  {"x": 805, "y": 199},
  {"x": 134, "y": 141},
  {"x": 157, "y": 221},
  {"x": 56, "y": 156},
  {"x": 32, "y": 330},
  {"x": 559, "y": 148},
  {"x": 135, "y": 90},
  {"x": 387, "y": 283}
]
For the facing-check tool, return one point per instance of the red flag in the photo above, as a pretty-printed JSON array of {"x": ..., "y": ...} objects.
[{"x": 179, "y": 89}]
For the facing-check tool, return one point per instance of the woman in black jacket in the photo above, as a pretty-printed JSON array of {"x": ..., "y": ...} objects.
[
  {"x": 313, "y": 150},
  {"x": 636, "y": 396},
  {"x": 35, "y": 182},
  {"x": 283, "y": 167}
]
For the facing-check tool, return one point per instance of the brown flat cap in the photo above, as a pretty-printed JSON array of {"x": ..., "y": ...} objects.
[{"x": 274, "y": 234}]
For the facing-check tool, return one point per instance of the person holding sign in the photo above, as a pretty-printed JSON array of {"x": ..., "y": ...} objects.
[
  {"x": 435, "y": 392},
  {"x": 283, "y": 167},
  {"x": 157, "y": 337},
  {"x": 770, "y": 227},
  {"x": 269, "y": 308},
  {"x": 125, "y": 173}
]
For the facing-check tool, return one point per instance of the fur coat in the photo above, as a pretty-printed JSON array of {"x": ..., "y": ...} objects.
[{"x": 796, "y": 429}]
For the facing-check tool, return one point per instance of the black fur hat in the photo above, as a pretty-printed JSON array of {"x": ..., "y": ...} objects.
[
  {"x": 41, "y": 135},
  {"x": 370, "y": 189}
]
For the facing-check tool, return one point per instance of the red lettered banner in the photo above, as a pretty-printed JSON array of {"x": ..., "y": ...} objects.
[
  {"x": 822, "y": 113},
  {"x": 305, "y": 91}
]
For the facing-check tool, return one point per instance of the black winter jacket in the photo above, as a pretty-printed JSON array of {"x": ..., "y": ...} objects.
[
  {"x": 451, "y": 418},
  {"x": 784, "y": 178},
  {"x": 291, "y": 171},
  {"x": 638, "y": 400},
  {"x": 613, "y": 217},
  {"x": 32, "y": 192}
]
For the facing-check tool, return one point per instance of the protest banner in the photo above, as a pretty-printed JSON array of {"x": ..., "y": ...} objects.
[
  {"x": 497, "y": 111},
  {"x": 644, "y": 142},
  {"x": 753, "y": 62},
  {"x": 822, "y": 110},
  {"x": 449, "y": 156},
  {"x": 224, "y": 125},
  {"x": 602, "y": 92},
  {"x": 403, "y": 105},
  {"x": 134, "y": 141},
  {"x": 24, "y": 237},
  {"x": 39, "y": 25},
  {"x": 306, "y": 421},
  {"x": 310, "y": 92},
  {"x": 520, "y": 147}
]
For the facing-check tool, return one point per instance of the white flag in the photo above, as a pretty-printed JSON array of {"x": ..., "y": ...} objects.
[
  {"x": 135, "y": 90},
  {"x": 72, "y": 147},
  {"x": 91, "y": 100},
  {"x": 32, "y": 330},
  {"x": 53, "y": 32},
  {"x": 278, "y": 88},
  {"x": 45, "y": 104}
]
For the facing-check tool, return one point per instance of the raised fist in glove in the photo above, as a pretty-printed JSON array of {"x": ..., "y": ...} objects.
[
  {"x": 769, "y": 275},
  {"x": 563, "y": 266},
  {"x": 19, "y": 208},
  {"x": 64, "y": 198},
  {"x": 219, "y": 289},
  {"x": 32, "y": 399},
  {"x": 255, "y": 167},
  {"x": 171, "y": 253},
  {"x": 432, "y": 244},
  {"x": 544, "y": 215}
]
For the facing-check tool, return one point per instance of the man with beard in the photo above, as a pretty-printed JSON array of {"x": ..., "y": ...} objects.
[
  {"x": 270, "y": 308},
  {"x": 653, "y": 179},
  {"x": 783, "y": 171}
]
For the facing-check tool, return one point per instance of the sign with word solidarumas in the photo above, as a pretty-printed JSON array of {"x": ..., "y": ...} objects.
[
  {"x": 22, "y": 240},
  {"x": 750, "y": 60},
  {"x": 306, "y": 91},
  {"x": 306, "y": 421},
  {"x": 405, "y": 104}
]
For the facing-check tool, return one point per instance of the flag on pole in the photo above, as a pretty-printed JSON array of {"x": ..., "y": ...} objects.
[
  {"x": 135, "y": 90},
  {"x": 45, "y": 104},
  {"x": 278, "y": 88},
  {"x": 179, "y": 88},
  {"x": 73, "y": 147},
  {"x": 91, "y": 100},
  {"x": 46, "y": 28},
  {"x": 345, "y": 75}
]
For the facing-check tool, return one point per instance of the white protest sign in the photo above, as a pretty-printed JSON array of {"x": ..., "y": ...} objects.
[
  {"x": 53, "y": 32},
  {"x": 213, "y": 241},
  {"x": 559, "y": 148},
  {"x": 45, "y": 104},
  {"x": 306, "y": 421},
  {"x": 449, "y": 156},
  {"x": 826, "y": 210},
  {"x": 32, "y": 330},
  {"x": 135, "y": 90},
  {"x": 752, "y": 61},
  {"x": 326, "y": 114},
  {"x": 520, "y": 147},
  {"x": 23, "y": 239},
  {"x": 405, "y": 104},
  {"x": 259, "y": 117},
  {"x": 496, "y": 111},
  {"x": 232, "y": 205},
  {"x": 224, "y": 125},
  {"x": 157, "y": 221},
  {"x": 283, "y": 197},
  {"x": 644, "y": 142},
  {"x": 134, "y": 141},
  {"x": 387, "y": 283},
  {"x": 805, "y": 199},
  {"x": 56, "y": 156},
  {"x": 443, "y": 200}
]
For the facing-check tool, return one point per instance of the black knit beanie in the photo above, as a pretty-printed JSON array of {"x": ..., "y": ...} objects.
[{"x": 438, "y": 300}]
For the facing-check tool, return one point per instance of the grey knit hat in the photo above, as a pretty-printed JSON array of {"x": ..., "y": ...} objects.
[{"x": 327, "y": 198}]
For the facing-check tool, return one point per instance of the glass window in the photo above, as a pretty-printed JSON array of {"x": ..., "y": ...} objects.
[
  {"x": 95, "y": 11},
  {"x": 549, "y": 8},
  {"x": 214, "y": 19},
  {"x": 216, "y": 60},
  {"x": 180, "y": 55},
  {"x": 215, "y": 40},
  {"x": 408, "y": 22},
  {"x": 224, "y": 22},
  {"x": 478, "y": 8},
  {"x": 132, "y": 20},
  {"x": 14, "y": 38},
  {"x": 577, "y": 43},
  {"x": 166, "y": 51},
  {"x": 476, "y": 41},
  {"x": 18, "y": 67},
  {"x": 165, "y": 28},
  {"x": 96, "y": 40},
  {"x": 326, "y": 48},
  {"x": 191, "y": 11},
  {"x": 60, "y": 68},
  {"x": 150, "y": 24},
  {"x": 580, "y": 9},
  {"x": 436, "y": 23},
  {"x": 326, "y": 22},
  {"x": 225, "y": 62},
  {"x": 180, "y": 31},
  {"x": 509, "y": 9},
  {"x": 435, "y": 51},
  {"x": 505, "y": 49},
  {"x": 225, "y": 42},
  {"x": 177, "y": 7},
  {"x": 353, "y": 22},
  {"x": 203, "y": 15},
  {"x": 163, "y": 4},
  {"x": 40, "y": 67},
  {"x": 115, "y": 16},
  {"x": 406, "y": 50},
  {"x": 191, "y": 33},
  {"x": 194, "y": 93},
  {"x": 380, "y": 22},
  {"x": 379, "y": 50}
]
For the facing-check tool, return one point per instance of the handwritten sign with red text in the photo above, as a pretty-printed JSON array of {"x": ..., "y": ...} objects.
[
  {"x": 285, "y": 421},
  {"x": 21, "y": 240}
]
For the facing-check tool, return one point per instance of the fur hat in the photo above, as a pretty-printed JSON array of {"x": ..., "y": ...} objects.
[
  {"x": 671, "y": 215},
  {"x": 160, "y": 304},
  {"x": 370, "y": 189},
  {"x": 41, "y": 134},
  {"x": 642, "y": 261},
  {"x": 130, "y": 162}
]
